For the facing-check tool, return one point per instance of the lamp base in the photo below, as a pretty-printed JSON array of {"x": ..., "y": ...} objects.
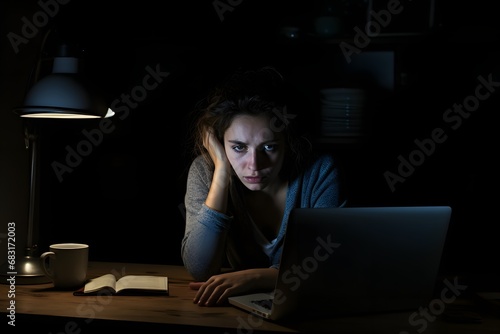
[{"x": 28, "y": 270}]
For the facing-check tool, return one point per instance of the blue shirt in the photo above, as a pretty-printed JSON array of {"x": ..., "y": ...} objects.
[{"x": 212, "y": 237}]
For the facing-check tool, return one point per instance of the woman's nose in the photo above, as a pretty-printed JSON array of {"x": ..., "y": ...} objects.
[{"x": 255, "y": 159}]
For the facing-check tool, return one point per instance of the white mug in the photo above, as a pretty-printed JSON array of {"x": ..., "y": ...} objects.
[{"x": 66, "y": 264}]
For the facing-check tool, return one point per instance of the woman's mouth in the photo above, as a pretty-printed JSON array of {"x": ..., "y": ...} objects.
[{"x": 254, "y": 179}]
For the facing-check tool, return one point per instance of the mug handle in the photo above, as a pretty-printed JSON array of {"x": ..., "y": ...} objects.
[{"x": 47, "y": 268}]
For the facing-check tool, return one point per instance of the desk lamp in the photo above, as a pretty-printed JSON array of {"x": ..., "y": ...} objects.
[{"x": 61, "y": 94}]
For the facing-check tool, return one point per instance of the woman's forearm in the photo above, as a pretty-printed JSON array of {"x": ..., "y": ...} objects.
[{"x": 218, "y": 194}]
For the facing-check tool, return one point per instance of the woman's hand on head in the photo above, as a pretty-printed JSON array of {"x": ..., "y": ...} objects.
[
  {"x": 218, "y": 288},
  {"x": 217, "y": 197},
  {"x": 215, "y": 149}
]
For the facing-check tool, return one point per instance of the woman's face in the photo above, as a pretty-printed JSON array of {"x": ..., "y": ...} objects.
[{"x": 255, "y": 152}]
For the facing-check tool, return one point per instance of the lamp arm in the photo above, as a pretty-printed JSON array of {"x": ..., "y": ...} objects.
[
  {"x": 31, "y": 143},
  {"x": 28, "y": 269}
]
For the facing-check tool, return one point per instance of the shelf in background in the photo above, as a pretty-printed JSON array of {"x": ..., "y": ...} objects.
[{"x": 340, "y": 140}]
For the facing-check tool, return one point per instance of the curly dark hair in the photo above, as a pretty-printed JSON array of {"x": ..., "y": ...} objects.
[{"x": 255, "y": 92}]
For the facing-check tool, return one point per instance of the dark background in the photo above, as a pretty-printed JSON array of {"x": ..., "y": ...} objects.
[{"x": 122, "y": 199}]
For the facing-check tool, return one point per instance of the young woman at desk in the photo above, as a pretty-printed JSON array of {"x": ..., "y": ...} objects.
[{"x": 253, "y": 166}]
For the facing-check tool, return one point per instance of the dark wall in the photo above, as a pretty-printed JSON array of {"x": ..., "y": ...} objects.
[{"x": 122, "y": 196}]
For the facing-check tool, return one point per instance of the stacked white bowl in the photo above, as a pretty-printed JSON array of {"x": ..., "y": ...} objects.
[{"x": 342, "y": 111}]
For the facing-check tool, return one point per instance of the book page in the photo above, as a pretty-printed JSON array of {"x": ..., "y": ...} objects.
[
  {"x": 142, "y": 282},
  {"x": 105, "y": 281}
]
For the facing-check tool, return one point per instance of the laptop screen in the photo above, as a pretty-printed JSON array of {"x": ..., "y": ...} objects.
[{"x": 371, "y": 259}]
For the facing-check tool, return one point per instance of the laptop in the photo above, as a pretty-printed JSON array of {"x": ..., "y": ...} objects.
[{"x": 355, "y": 260}]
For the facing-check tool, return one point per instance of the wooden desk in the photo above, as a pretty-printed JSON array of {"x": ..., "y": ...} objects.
[{"x": 48, "y": 310}]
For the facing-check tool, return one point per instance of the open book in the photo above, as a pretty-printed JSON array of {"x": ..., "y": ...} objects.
[{"x": 129, "y": 285}]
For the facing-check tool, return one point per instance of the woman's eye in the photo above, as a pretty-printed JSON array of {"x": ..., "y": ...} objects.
[
  {"x": 269, "y": 147},
  {"x": 239, "y": 148}
]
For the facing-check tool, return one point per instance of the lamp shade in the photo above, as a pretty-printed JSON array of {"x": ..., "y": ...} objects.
[{"x": 63, "y": 94}]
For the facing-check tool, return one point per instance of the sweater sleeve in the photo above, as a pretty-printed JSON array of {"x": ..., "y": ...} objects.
[
  {"x": 206, "y": 230},
  {"x": 321, "y": 184},
  {"x": 318, "y": 187}
]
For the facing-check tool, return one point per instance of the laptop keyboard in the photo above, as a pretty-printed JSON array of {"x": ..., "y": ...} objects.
[{"x": 265, "y": 303}]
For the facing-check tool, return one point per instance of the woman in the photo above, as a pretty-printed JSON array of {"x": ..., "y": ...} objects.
[{"x": 253, "y": 167}]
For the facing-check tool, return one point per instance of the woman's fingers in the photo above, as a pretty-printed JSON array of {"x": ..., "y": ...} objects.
[
  {"x": 195, "y": 285},
  {"x": 206, "y": 138}
]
